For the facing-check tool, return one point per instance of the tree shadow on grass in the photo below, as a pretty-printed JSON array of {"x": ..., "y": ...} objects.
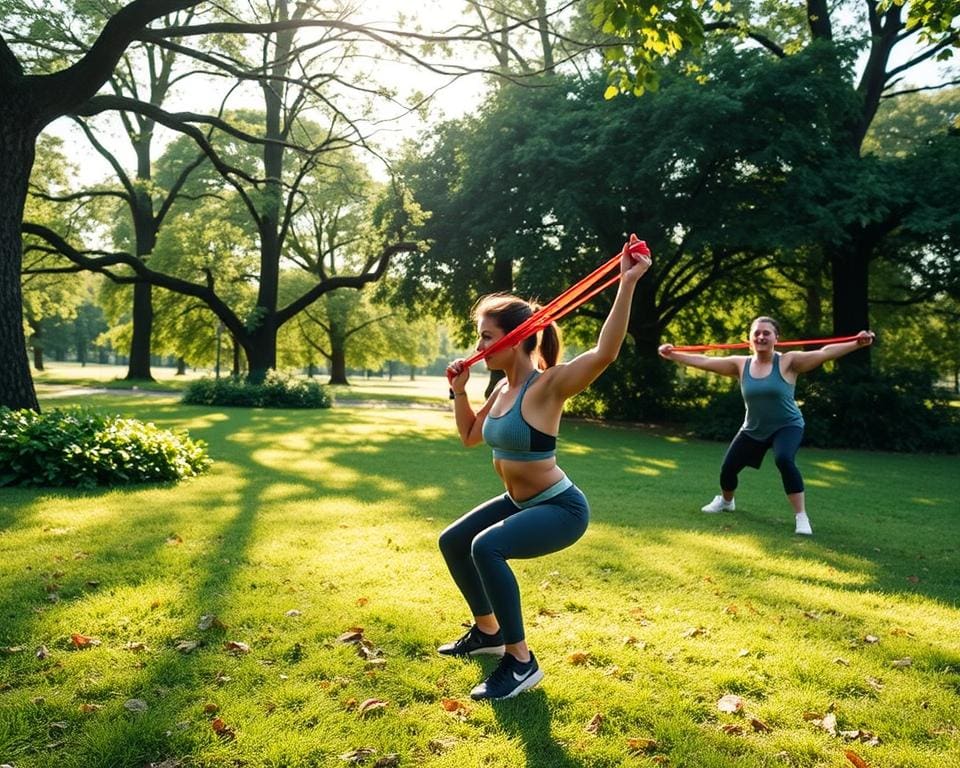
[{"x": 527, "y": 718}]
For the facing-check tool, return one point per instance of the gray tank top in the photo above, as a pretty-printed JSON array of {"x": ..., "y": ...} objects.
[{"x": 769, "y": 402}]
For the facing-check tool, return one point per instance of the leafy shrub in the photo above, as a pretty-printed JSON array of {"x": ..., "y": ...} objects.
[
  {"x": 276, "y": 391},
  {"x": 83, "y": 449}
]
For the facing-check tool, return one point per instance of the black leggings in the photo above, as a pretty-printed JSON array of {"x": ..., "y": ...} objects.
[
  {"x": 745, "y": 451},
  {"x": 478, "y": 545}
]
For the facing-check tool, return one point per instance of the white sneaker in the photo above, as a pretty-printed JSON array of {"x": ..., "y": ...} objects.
[
  {"x": 803, "y": 525},
  {"x": 719, "y": 504}
]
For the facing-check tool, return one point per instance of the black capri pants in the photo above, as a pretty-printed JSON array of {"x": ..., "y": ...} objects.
[{"x": 746, "y": 451}]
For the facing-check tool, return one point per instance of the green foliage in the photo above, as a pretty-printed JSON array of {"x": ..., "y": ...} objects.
[
  {"x": 84, "y": 449},
  {"x": 895, "y": 410},
  {"x": 276, "y": 391}
]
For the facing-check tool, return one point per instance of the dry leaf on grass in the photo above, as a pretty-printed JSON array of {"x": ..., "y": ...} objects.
[
  {"x": 759, "y": 726},
  {"x": 902, "y": 663},
  {"x": 222, "y": 730},
  {"x": 82, "y": 641},
  {"x": 358, "y": 756},
  {"x": 371, "y": 706},
  {"x": 730, "y": 703},
  {"x": 210, "y": 621},
  {"x": 640, "y": 744},
  {"x": 732, "y": 729},
  {"x": 594, "y": 725},
  {"x": 235, "y": 646},
  {"x": 187, "y": 646},
  {"x": 578, "y": 658},
  {"x": 854, "y": 758}
]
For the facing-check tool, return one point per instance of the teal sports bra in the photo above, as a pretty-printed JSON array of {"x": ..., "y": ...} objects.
[{"x": 512, "y": 438}]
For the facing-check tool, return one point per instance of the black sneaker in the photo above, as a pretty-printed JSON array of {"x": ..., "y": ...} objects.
[
  {"x": 474, "y": 643},
  {"x": 509, "y": 678}
]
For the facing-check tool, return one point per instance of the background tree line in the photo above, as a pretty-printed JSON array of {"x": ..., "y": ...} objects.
[{"x": 766, "y": 171}]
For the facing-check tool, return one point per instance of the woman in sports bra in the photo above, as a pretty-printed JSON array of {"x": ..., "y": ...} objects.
[
  {"x": 542, "y": 511},
  {"x": 772, "y": 420}
]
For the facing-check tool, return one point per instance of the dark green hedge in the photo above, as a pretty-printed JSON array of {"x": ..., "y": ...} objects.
[
  {"x": 894, "y": 410},
  {"x": 83, "y": 449},
  {"x": 277, "y": 391}
]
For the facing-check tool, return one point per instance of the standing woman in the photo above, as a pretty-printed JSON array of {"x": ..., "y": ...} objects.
[
  {"x": 542, "y": 511},
  {"x": 773, "y": 420}
]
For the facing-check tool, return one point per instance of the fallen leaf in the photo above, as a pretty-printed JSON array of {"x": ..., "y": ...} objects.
[
  {"x": 352, "y": 636},
  {"x": 135, "y": 647},
  {"x": 732, "y": 729},
  {"x": 210, "y": 708},
  {"x": 42, "y": 652},
  {"x": 828, "y": 723},
  {"x": 640, "y": 744},
  {"x": 222, "y": 730},
  {"x": 731, "y": 609},
  {"x": 578, "y": 658},
  {"x": 362, "y": 601},
  {"x": 452, "y": 705},
  {"x": 388, "y": 761},
  {"x": 210, "y": 621},
  {"x": 812, "y": 615},
  {"x": 695, "y": 632},
  {"x": 730, "y": 703},
  {"x": 906, "y": 661},
  {"x": 759, "y": 726},
  {"x": 358, "y": 756},
  {"x": 439, "y": 746},
  {"x": 594, "y": 725},
  {"x": 293, "y": 612},
  {"x": 854, "y": 758},
  {"x": 900, "y": 632},
  {"x": 871, "y": 639},
  {"x": 187, "y": 646},
  {"x": 874, "y": 683},
  {"x": 235, "y": 646},
  {"x": 841, "y": 660},
  {"x": 174, "y": 539},
  {"x": 82, "y": 641},
  {"x": 13, "y": 649},
  {"x": 371, "y": 706},
  {"x": 86, "y": 708}
]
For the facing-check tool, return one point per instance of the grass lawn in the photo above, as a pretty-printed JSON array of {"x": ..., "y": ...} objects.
[{"x": 216, "y": 607}]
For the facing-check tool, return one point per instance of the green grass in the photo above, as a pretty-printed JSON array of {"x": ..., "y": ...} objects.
[
  {"x": 649, "y": 620},
  {"x": 59, "y": 379}
]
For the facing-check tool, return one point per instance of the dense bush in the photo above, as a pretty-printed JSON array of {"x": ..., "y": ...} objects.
[
  {"x": 85, "y": 449},
  {"x": 276, "y": 391},
  {"x": 894, "y": 410}
]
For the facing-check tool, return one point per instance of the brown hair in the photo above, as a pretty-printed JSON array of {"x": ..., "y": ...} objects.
[
  {"x": 765, "y": 319},
  {"x": 508, "y": 312}
]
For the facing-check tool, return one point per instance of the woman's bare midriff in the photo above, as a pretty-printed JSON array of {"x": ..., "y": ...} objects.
[{"x": 525, "y": 479}]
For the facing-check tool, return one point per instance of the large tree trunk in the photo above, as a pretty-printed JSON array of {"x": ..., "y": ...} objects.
[
  {"x": 139, "y": 366},
  {"x": 261, "y": 349},
  {"x": 17, "y": 146},
  {"x": 851, "y": 312}
]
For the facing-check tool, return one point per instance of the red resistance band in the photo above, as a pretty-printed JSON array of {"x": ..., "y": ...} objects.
[
  {"x": 575, "y": 296},
  {"x": 746, "y": 344}
]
